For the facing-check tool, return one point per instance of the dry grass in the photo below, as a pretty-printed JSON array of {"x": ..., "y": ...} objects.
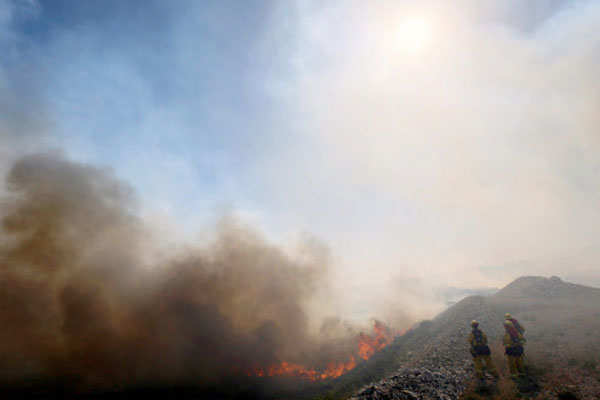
[
  {"x": 504, "y": 389},
  {"x": 562, "y": 354},
  {"x": 560, "y": 376}
]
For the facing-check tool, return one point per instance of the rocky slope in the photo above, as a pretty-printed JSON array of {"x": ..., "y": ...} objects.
[
  {"x": 563, "y": 331},
  {"x": 418, "y": 383}
]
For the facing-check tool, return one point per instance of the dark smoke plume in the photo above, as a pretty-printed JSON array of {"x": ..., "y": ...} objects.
[{"x": 78, "y": 297}]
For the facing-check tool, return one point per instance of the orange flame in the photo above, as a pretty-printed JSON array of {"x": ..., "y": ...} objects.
[
  {"x": 367, "y": 346},
  {"x": 334, "y": 369},
  {"x": 285, "y": 368}
]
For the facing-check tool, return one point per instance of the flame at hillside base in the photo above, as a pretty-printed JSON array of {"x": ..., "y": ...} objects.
[
  {"x": 333, "y": 370},
  {"x": 367, "y": 346}
]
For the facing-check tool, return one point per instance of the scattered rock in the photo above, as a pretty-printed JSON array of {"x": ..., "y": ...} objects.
[{"x": 418, "y": 384}]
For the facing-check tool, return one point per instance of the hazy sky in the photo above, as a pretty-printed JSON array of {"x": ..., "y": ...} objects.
[{"x": 428, "y": 143}]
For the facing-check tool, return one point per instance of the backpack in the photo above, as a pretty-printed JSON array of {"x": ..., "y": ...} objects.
[
  {"x": 515, "y": 336},
  {"x": 517, "y": 325},
  {"x": 479, "y": 347},
  {"x": 514, "y": 351}
]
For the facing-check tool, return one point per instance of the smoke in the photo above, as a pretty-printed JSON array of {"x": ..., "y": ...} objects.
[
  {"x": 92, "y": 292},
  {"x": 472, "y": 154},
  {"x": 80, "y": 297},
  {"x": 442, "y": 167}
]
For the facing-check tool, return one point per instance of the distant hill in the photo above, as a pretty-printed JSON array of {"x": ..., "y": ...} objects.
[
  {"x": 452, "y": 295},
  {"x": 553, "y": 289}
]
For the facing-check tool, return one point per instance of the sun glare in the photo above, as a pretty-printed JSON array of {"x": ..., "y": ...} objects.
[{"x": 414, "y": 34}]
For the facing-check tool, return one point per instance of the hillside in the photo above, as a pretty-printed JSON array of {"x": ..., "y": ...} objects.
[
  {"x": 432, "y": 360},
  {"x": 563, "y": 331}
]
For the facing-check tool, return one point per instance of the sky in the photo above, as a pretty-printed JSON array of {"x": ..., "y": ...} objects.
[{"x": 427, "y": 143}]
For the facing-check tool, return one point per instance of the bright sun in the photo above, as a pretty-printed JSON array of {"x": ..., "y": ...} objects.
[{"x": 414, "y": 34}]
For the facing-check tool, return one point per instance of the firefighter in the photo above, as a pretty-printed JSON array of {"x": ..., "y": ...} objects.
[
  {"x": 516, "y": 323},
  {"x": 481, "y": 352},
  {"x": 513, "y": 348}
]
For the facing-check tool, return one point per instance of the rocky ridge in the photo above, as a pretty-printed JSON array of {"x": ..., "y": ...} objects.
[
  {"x": 561, "y": 321},
  {"x": 417, "y": 384},
  {"x": 441, "y": 368}
]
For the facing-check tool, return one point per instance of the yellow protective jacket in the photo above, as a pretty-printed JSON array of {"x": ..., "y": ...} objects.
[
  {"x": 478, "y": 343},
  {"x": 473, "y": 342},
  {"x": 517, "y": 325},
  {"x": 509, "y": 342}
]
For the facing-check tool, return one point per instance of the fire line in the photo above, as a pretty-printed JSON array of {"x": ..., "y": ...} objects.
[{"x": 367, "y": 346}]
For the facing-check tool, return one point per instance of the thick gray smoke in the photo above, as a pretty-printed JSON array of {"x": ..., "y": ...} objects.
[{"x": 79, "y": 298}]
